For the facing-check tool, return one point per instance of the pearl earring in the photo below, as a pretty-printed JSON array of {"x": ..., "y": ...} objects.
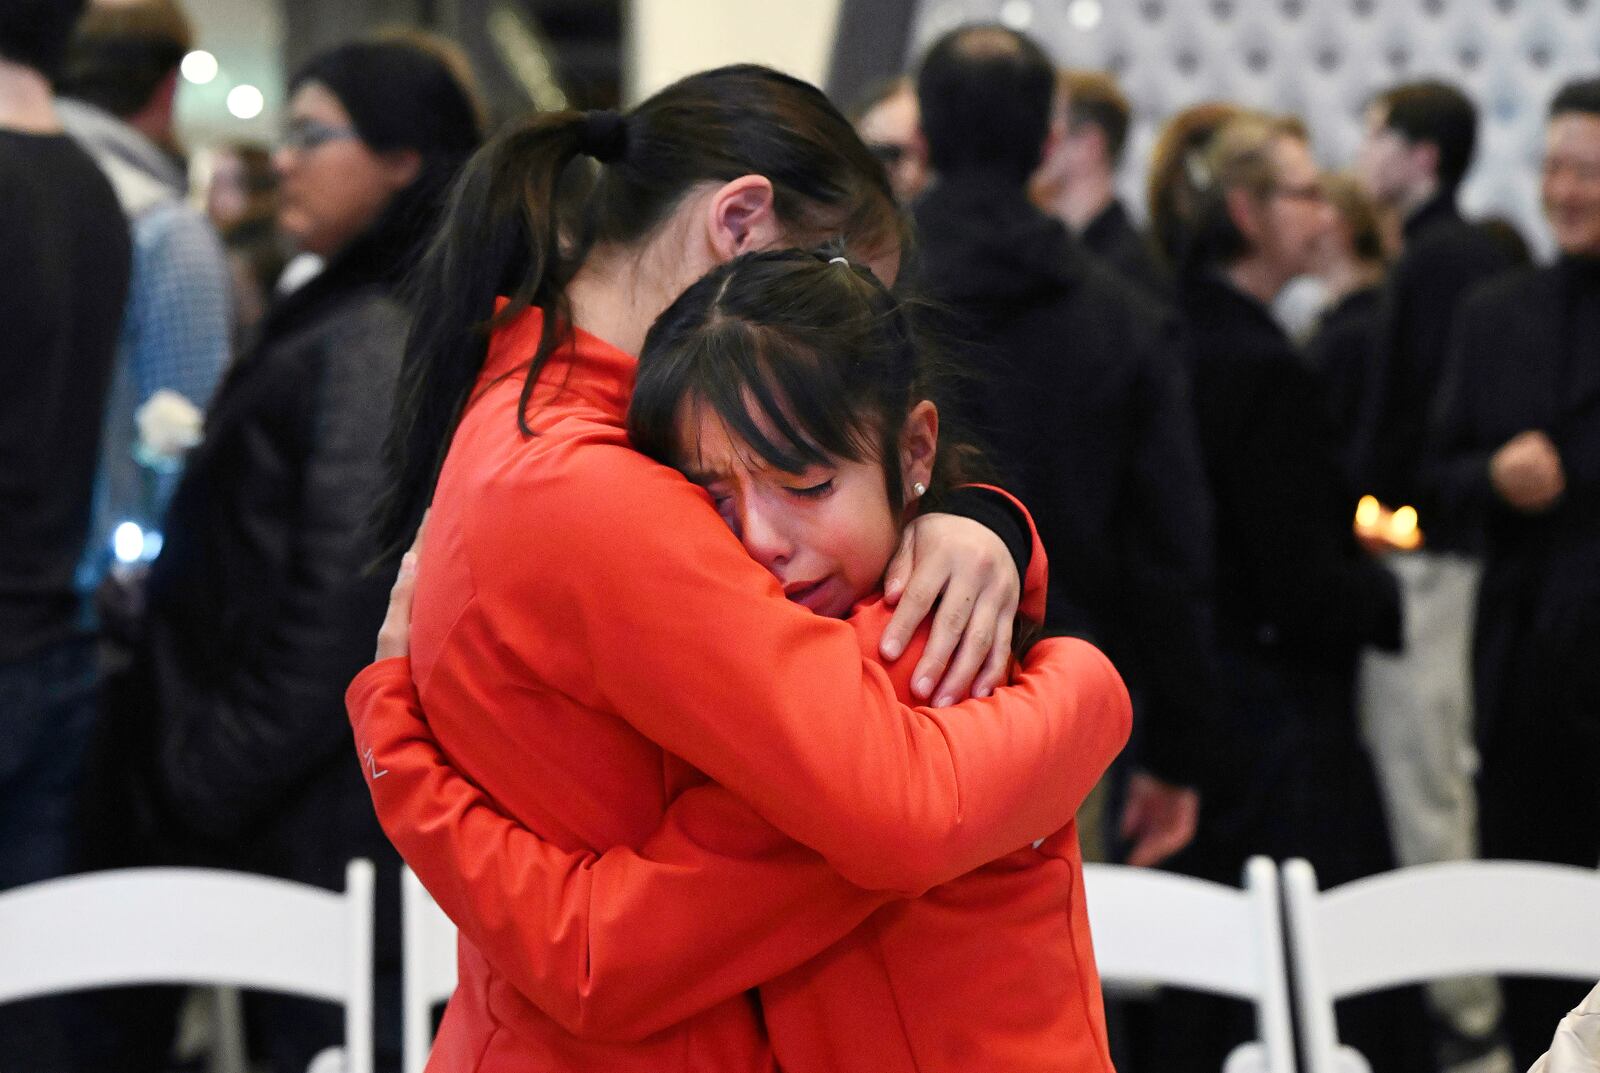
[{"x": 919, "y": 489}]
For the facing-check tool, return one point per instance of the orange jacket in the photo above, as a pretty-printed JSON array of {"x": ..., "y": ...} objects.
[{"x": 583, "y": 620}]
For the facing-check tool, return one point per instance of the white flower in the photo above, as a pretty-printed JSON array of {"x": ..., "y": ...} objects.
[{"x": 169, "y": 425}]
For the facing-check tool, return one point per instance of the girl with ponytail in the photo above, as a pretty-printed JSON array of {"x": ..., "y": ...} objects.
[{"x": 597, "y": 654}]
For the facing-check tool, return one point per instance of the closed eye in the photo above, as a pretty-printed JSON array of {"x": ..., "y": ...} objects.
[{"x": 814, "y": 491}]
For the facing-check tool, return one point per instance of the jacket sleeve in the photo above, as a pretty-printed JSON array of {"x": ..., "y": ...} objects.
[
  {"x": 273, "y": 719},
  {"x": 612, "y": 946},
  {"x": 1167, "y": 532},
  {"x": 621, "y": 944},
  {"x": 668, "y": 624},
  {"x": 1458, "y": 462}
]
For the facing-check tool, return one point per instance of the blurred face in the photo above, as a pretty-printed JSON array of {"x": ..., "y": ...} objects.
[
  {"x": 1571, "y": 182},
  {"x": 1387, "y": 164},
  {"x": 332, "y": 185},
  {"x": 1295, "y": 216},
  {"x": 826, "y": 533},
  {"x": 226, "y": 199},
  {"x": 890, "y": 130}
]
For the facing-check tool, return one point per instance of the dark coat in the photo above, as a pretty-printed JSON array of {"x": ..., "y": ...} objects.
[
  {"x": 1082, "y": 391},
  {"x": 1340, "y": 354},
  {"x": 1444, "y": 257},
  {"x": 259, "y": 610},
  {"x": 1296, "y": 600},
  {"x": 1528, "y": 357},
  {"x": 1112, "y": 237}
]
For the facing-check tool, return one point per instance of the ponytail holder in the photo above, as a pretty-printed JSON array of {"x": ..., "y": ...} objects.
[
  {"x": 604, "y": 136},
  {"x": 839, "y": 261}
]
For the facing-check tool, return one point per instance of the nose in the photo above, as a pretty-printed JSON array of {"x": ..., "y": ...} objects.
[{"x": 763, "y": 534}]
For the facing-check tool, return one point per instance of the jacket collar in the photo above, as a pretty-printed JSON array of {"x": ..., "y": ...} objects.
[
  {"x": 1440, "y": 208},
  {"x": 104, "y": 135}
]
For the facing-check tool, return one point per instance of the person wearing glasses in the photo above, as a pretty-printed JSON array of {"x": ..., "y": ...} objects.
[
  {"x": 1240, "y": 202},
  {"x": 260, "y": 609}
]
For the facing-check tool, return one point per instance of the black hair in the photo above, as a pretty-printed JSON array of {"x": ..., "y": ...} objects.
[
  {"x": 526, "y": 212},
  {"x": 986, "y": 94},
  {"x": 122, "y": 53},
  {"x": 802, "y": 356},
  {"x": 402, "y": 94},
  {"x": 1582, "y": 95},
  {"x": 1438, "y": 114},
  {"x": 35, "y": 33}
]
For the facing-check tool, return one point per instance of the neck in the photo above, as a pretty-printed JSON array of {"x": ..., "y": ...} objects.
[
  {"x": 1257, "y": 278},
  {"x": 617, "y": 295},
  {"x": 1415, "y": 198},
  {"x": 1348, "y": 277},
  {"x": 26, "y": 103},
  {"x": 1080, "y": 199}
]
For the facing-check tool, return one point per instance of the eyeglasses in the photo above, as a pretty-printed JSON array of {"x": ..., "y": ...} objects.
[
  {"x": 1312, "y": 192},
  {"x": 304, "y": 135}
]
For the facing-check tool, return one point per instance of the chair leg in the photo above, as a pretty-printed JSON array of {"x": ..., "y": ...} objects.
[{"x": 228, "y": 1053}]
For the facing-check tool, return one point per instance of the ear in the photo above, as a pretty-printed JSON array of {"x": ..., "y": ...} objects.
[
  {"x": 1244, "y": 209},
  {"x": 1425, "y": 160},
  {"x": 919, "y": 442},
  {"x": 740, "y": 217},
  {"x": 400, "y": 167}
]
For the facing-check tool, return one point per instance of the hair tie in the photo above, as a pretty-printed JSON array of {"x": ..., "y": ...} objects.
[
  {"x": 839, "y": 261},
  {"x": 1197, "y": 170},
  {"x": 604, "y": 136}
]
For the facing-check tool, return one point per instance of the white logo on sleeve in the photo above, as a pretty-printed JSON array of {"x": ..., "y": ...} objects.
[{"x": 372, "y": 766}]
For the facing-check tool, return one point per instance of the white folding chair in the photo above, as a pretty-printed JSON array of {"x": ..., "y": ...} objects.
[
  {"x": 1158, "y": 928},
  {"x": 429, "y": 946},
  {"x": 195, "y": 926},
  {"x": 1433, "y": 921}
]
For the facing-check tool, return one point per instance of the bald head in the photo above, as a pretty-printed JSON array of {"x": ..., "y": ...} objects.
[{"x": 986, "y": 93}]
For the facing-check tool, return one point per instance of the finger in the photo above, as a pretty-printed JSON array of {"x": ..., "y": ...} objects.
[
  {"x": 899, "y": 572},
  {"x": 997, "y": 667},
  {"x": 1146, "y": 853},
  {"x": 394, "y": 636},
  {"x": 920, "y": 594},
  {"x": 422, "y": 529},
  {"x": 950, "y": 624},
  {"x": 979, "y": 639}
]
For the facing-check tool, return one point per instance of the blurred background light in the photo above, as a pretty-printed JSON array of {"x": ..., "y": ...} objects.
[
  {"x": 199, "y": 67},
  {"x": 245, "y": 102}
]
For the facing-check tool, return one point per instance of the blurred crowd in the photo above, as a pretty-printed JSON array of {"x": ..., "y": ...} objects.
[{"x": 1350, "y": 570}]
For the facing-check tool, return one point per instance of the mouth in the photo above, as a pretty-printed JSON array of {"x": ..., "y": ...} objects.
[{"x": 808, "y": 594}]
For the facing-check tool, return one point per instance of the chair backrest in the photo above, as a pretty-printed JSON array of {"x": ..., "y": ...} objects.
[
  {"x": 1459, "y": 918},
  {"x": 429, "y": 942},
  {"x": 195, "y": 926},
  {"x": 1157, "y": 927}
]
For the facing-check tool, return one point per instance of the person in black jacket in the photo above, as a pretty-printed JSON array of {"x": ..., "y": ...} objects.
[
  {"x": 1417, "y": 706},
  {"x": 1350, "y": 264},
  {"x": 1077, "y": 179},
  {"x": 1520, "y": 441},
  {"x": 260, "y": 608},
  {"x": 64, "y": 259},
  {"x": 1081, "y": 391},
  {"x": 1296, "y": 597}
]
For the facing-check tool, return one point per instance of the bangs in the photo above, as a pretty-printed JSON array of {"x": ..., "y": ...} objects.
[{"x": 792, "y": 407}]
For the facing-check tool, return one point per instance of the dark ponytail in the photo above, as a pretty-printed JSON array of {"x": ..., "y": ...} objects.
[{"x": 526, "y": 212}]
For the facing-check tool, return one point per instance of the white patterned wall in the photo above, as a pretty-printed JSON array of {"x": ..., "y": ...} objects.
[{"x": 1321, "y": 59}]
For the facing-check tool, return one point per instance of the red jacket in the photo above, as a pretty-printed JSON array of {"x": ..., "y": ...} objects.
[{"x": 583, "y": 621}]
